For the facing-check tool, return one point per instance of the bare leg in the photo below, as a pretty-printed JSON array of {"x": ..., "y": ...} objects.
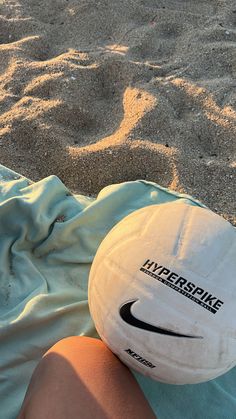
[{"x": 80, "y": 377}]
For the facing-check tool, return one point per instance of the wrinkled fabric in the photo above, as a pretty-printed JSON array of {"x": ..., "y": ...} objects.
[{"x": 48, "y": 239}]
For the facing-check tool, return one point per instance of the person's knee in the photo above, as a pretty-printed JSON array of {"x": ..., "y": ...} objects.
[
  {"x": 73, "y": 342},
  {"x": 75, "y": 347},
  {"x": 83, "y": 371}
]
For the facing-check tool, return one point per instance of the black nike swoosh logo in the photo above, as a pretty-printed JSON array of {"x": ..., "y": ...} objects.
[{"x": 128, "y": 317}]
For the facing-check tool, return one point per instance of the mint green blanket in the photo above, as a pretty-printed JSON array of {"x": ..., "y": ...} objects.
[{"x": 48, "y": 241}]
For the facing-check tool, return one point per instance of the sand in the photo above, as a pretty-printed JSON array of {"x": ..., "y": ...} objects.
[{"x": 100, "y": 92}]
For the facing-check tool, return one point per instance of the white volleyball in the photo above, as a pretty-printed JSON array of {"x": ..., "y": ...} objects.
[{"x": 162, "y": 292}]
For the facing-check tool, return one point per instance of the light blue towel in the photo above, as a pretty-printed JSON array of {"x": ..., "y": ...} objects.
[{"x": 48, "y": 239}]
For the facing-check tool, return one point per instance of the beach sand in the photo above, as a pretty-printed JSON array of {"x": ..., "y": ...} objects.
[{"x": 100, "y": 92}]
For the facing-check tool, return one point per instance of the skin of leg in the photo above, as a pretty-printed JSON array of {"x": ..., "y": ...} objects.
[{"x": 79, "y": 377}]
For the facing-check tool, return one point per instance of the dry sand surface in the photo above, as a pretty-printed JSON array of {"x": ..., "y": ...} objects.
[{"x": 100, "y": 92}]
